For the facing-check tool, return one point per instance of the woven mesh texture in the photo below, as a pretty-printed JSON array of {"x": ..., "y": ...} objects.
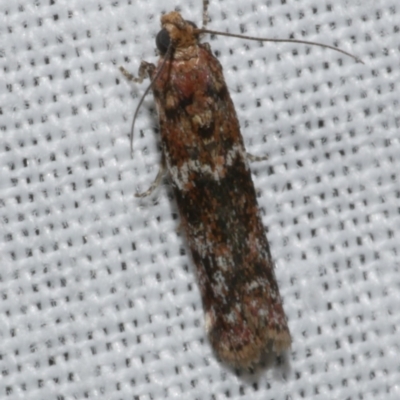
[{"x": 98, "y": 294}]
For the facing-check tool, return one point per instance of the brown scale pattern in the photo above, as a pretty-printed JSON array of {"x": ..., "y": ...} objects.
[{"x": 206, "y": 159}]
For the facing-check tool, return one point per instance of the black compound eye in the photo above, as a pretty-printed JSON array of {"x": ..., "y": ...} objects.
[{"x": 163, "y": 41}]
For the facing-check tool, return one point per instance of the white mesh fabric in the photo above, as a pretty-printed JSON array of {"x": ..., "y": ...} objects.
[{"x": 99, "y": 299}]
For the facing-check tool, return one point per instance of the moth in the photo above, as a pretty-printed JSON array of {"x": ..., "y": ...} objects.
[{"x": 205, "y": 158}]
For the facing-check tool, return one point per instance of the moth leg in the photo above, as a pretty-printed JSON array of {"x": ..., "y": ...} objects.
[
  {"x": 146, "y": 70},
  {"x": 206, "y": 17},
  {"x": 156, "y": 182},
  {"x": 252, "y": 157}
]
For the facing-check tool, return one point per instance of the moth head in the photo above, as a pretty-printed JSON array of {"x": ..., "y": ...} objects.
[{"x": 176, "y": 32}]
